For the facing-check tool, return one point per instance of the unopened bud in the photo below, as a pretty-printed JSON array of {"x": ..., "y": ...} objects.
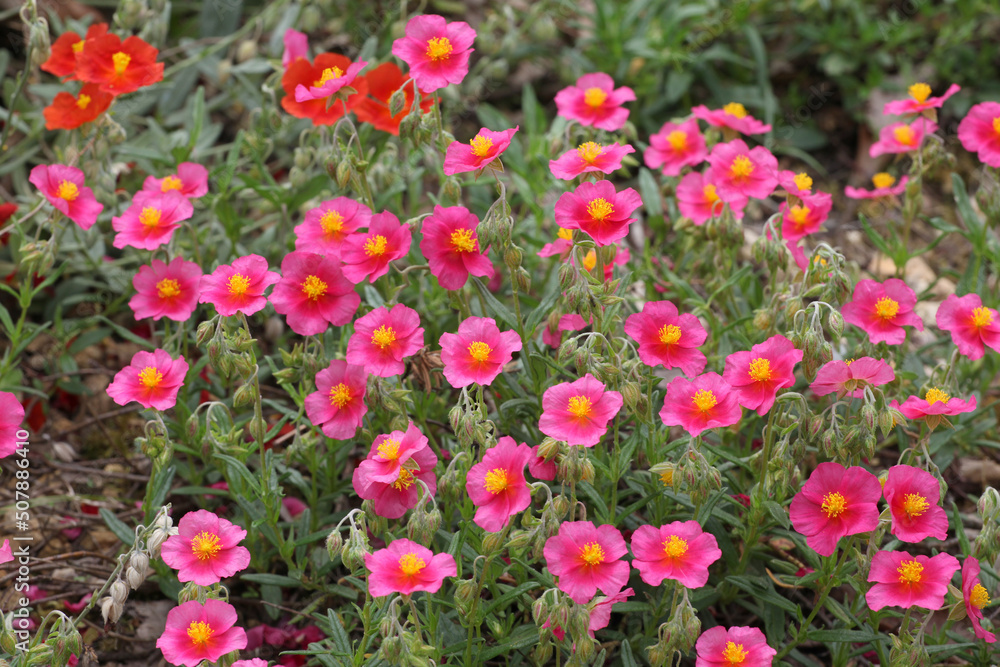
[
  {"x": 452, "y": 191},
  {"x": 334, "y": 543},
  {"x": 512, "y": 258},
  {"x": 587, "y": 471},
  {"x": 492, "y": 543},
  {"x": 869, "y": 417},
  {"x": 836, "y": 324},
  {"x": 344, "y": 173}
]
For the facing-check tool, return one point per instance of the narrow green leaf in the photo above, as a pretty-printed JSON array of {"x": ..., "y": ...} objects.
[{"x": 118, "y": 527}]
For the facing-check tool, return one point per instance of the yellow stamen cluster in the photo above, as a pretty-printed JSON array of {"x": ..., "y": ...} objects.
[
  {"x": 920, "y": 92},
  {"x": 404, "y": 481},
  {"x": 150, "y": 377},
  {"x": 678, "y": 141},
  {"x": 481, "y": 145},
  {"x": 171, "y": 183},
  {"x": 313, "y": 287},
  {"x": 910, "y": 572},
  {"x": 328, "y": 75},
  {"x": 200, "y": 633},
  {"x": 834, "y": 504},
  {"x": 388, "y": 449},
  {"x": 735, "y": 109},
  {"x": 734, "y": 653},
  {"x": 675, "y": 547},
  {"x": 68, "y": 191},
  {"x": 760, "y": 370},
  {"x": 592, "y": 554},
  {"x": 580, "y": 407},
  {"x": 741, "y": 168},
  {"x": 383, "y": 337},
  {"x": 705, "y": 400},
  {"x": 410, "y": 564},
  {"x": 883, "y": 180},
  {"x": 496, "y": 481},
  {"x": 914, "y": 505},
  {"x": 981, "y": 317},
  {"x": 331, "y": 222},
  {"x": 238, "y": 284},
  {"x": 803, "y": 181},
  {"x": 589, "y": 151},
  {"x": 979, "y": 597},
  {"x": 670, "y": 334},
  {"x": 463, "y": 240},
  {"x": 375, "y": 245},
  {"x": 565, "y": 234},
  {"x": 120, "y": 61},
  {"x": 710, "y": 195},
  {"x": 905, "y": 135},
  {"x": 83, "y": 101},
  {"x": 799, "y": 215},
  {"x": 594, "y": 97},
  {"x": 935, "y": 395},
  {"x": 480, "y": 351},
  {"x": 205, "y": 545},
  {"x": 168, "y": 288},
  {"x": 599, "y": 209},
  {"x": 886, "y": 308},
  {"x": 439, "y": 48},
  {"x": 340, "y": 395},
  {"x": 150, "y": 217}
]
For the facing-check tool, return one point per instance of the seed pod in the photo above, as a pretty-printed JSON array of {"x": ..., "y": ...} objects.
[{"x": 118, "y": 591}]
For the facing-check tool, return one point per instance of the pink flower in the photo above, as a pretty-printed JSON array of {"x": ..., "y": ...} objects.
[
  {"x": 675, "y": 147},
  {"x": 197, "y": 632},
  {"x": 238, "y": 287},
  {"x": 798, "y": 185},
  {"x": 479, "y": 153},
  {"x": 595, "y": 101},
  {"x": 913, "y": 495},
  {"x": 166, "y": 290},
  {"x": 497, "y": 486},
  {"x": 6, "y": 554},
  {"x": 332, "y": 80},
  {"x": 541, "y": 468},
  {"x": 884, "y": 187},
  {"x": 338, "y": 404},
  {"x": 902, "y": 580},
  {"x": 383, "y": 338},
  {"x": 406, "y": 567},
  {"x": 979, "y": 132},
  {"x": 389, "y": 476},
  {"x": 849, "y": 378},
  {"x": 757, "y": 375},
  {"x": 63, "y": 187},
  {"x": 733, "y": 115},
  {"x": 800, "y": 220},
  {"x": 313, "y": 293},
  {"x": 587, "y": 559},
  {"x": 976, "y": 597},
  {"x": 902, "y": 137},
  {"x": 578, "y": 412},
  {"x": 252, "y": 662},
  {"x": 970, "y": 324},
  {"x": 600, "y": 611},
  {"x": 919, "y": 100},
  {"x": 296, "y": 46},
  {"x": 478, "y": 352},
  {"x": 206, "y": 549},
  {"x": 728, "y": 647},
  {"x": 561, "y": 246},
  {"x": 599, "y": 210},
  {"x": 367, "y": 254},
  {"x": 452, "y": 248},
  {"x": 668, "y": 338},
  {"x": 568, "y": 322},
  {"x": 436, "y": 51},
  {"x": 152, "y": 379},
  {"x": 191, "y": 180},
  {"x": 680, "y": 551},
  {"x": 698, "y": 199},
  {"x": 740, "y": 173},
  {"x": 151, "y": 220},
  {"x": 834, "y": 503},
  {"x": 882, "y": 310},
  {"x": 589, "y": 157},
  {"x": 697, "y": 405},
  {"x": 935, "y": 406},
  {"x": 327, "y": 226},
  {"x": 11, "y": 417}
]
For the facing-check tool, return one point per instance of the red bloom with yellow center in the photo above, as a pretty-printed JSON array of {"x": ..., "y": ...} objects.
[
  {"x": 390, "y": 474},
  {"x": 65, "y": 50},
  {"x": 68, "y": 111},
  {"x": 383, "y": 81},
  {"x": 119, "y": 67},
  {"x": 303, "y": 73},
  {"x": 599, "y": 210}
]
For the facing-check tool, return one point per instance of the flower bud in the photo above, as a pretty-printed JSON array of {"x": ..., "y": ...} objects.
[
  {"x": 836, "y": 324},
  {"x": 392, "y": 648},
  {"x": 41, "y": 45},
  {"x": 587, "y": 472},
  {"x": 344, "y": 173},
  {"x": 869, "y": 417},
  {"x": 334, "y": 543},
  {"x": 452, "y": 190},
  {"x": 245, "y": 395},
  {"x": 989, "y": 503},
  {"x": 522, "y": 279},
  {"x": 492, "y": 544},
  {"x": 118, "y": 591},
  {"x": 512, "y": 257}
]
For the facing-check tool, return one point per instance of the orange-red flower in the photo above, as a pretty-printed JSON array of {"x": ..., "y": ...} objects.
[
  {"x": 301, "y": 72},
  {"x": 68, "y": 111},
  {"x": 383, "y": 81},
  {"x": 62, "y": 62},
  {"x": 119, "y": 67}
]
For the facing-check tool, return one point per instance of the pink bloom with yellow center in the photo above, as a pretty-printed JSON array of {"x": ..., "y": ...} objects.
[
  {"x": 406, "y": 567},
  {"x": 383, "y": 338},
  {"x": 561, "y": 246},
  {"x": 589, "y": 157},
  {"x": 599, "y": 210},
  {"x": 913, "y": 495},
  {"x": 976, "y": 597},
  {"x": 478, "y": 352},
  {"x": 698, "y": 199},
  {"x": 190, "y": 180},
  {"x": 757, "y": 375},
  {"x": 151, "y": 219},
  {"x": 313, "y": 293},
  {"x": 238, "y": 287},
  {"x": 325, "y": 227},
  {"x": 668, "y": 338},
  {"x": 11, "y": 416},
  {"x": 972, "y": 326},
  {"x": 902, "y": 580},
  {"x": 367, "y": 254},
  {"x": 979, "y": 132},
  {"x": 680, "y": 551},
  {"x": 594, "y": 101},
  {"x": 479, "y": 153},
  {"x": 934, "y": 405},
  {"x": 697, "y": 405},
  {"x": 729, "y": 647},
  {"x": 885, "y": 186},
  {"x": 568, "y": 322},
  {"x": 578, "y": 412},
  {"x": 338, "y": 404},
  {"x": 798, "y": 184},
  {"x": 166, "y": 290},
  {"x": 451, "y": 247},
  {"x": 919, "y": 100},
  {"x": 63, "y": 187},
  {"x": 849, "y": 378},
  {"x": 882, "y": 310},
  {"x": 152, "y": 379},
  {"x": 833, "y": 503},
  {"x": 198, "y": 631},
  {"x": 800, "y": 220},
  {"x": 436, "y": 51},
  {"x": 675, "y": 147},
  {"x": 205, "y": 549},
  {"x": 740, "y": 173},
  {"x": 902, "y": 137},
  {"x": 389, "y": 476},
  {"x": 330, "y": 82},
  {"x": 586, "y": 559},
  {"x": 497, "y": 486},
  {"x": 734, "y": 116}
]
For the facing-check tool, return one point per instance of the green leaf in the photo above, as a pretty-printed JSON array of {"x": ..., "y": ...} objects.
[
  {"x": 628, "y": 660},
  {"x": 493, "y": 306},
  {"x": 337, "y": 632},
  {"x": 510, "y": 595},
  {"x": 272, "y": 579},
  {"x": 966, "y": 212},
  {"x": 118, "y": 527},
  {"x": 874, "y": 236},
  {"x": 778, "y": 512},
  {"x": 858, "y": 636},
  {"x": 523, "y": 637}
]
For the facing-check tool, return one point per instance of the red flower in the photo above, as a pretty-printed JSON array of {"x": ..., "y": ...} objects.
[
  {"x": 119, "y": 67},
  {"x": 303, "y": 73},
  {"x": 68, "y": 111},
  {"x": 383, "y": 81},
  {"x": 62, "y": 62}
]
